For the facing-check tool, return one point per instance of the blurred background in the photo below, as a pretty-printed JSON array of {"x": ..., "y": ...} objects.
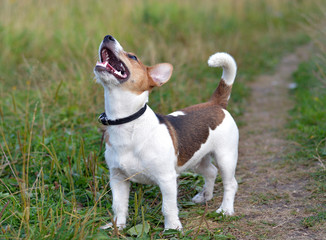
[
  {"x": 54, "y": 179},
  {"x": 53, "y": 46}
]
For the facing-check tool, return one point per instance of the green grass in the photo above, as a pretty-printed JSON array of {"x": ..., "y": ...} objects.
[
  {"x": 309, "y": 124},
  {"x": 308, "y": 118},
  {"x": 54, "y": 183},
  {"x": 315, "y": 219},
  {"x": 309, "y": 114}
]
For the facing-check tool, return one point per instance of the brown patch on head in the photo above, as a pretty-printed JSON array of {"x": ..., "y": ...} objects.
[
  {"x": 143, "y": 78},
  {"x": 138, "y": 79},
  {"x": 190, "y": 131},
  {"x": 222, "y": 94}
]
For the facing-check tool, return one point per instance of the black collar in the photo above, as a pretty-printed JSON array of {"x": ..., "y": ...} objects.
[{"x": 105, "y": 121}]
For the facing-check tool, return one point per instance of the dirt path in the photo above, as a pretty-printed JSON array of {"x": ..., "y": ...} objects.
[{"x": 272, "y": 195}]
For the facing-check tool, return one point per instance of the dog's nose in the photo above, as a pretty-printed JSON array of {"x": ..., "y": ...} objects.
[{"x": 108, "y": 38}]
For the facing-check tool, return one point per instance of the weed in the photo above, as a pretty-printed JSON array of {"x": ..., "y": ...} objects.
[
  {"x": 262, "y": 198},
  {"x": 313, "y": 220},
  {"x": 220, "y": 217}
]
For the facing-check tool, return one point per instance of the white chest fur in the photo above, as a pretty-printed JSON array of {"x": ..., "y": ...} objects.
[{"x": 140, "y": 149}]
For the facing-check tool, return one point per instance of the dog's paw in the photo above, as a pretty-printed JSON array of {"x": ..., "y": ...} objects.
[
  {"x": 225, "y": 211},
  {"x": 202, "y": 197},
  {"x": 176, "y": 225},
  {"x": 110, "y": 225}
]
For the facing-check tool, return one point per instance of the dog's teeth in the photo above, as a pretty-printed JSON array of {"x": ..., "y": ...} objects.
[
  {"x": 118, "y": 72},
  {"x": 105, "y": 53}
]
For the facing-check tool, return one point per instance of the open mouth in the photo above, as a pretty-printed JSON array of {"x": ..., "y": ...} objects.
[{"x": 111, "y": 64}]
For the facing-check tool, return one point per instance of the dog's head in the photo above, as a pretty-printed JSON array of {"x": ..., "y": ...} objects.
[{"x": 117, "y": 68}]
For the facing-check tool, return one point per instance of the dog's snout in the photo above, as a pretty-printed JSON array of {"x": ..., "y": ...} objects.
[{"x": 108, "y": 38}]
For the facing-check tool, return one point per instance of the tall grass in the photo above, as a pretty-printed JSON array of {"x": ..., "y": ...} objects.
[
  {"x": 309, "y": 116},
  {"x": 54, "y": 181}
]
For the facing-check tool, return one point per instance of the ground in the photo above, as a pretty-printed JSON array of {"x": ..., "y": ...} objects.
[{"x": 273, "y": 195}]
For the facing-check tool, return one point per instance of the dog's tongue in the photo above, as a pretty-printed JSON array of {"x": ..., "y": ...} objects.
[
  {"x": 101, "y": 64},
  {"x": 105, "y": 65}
]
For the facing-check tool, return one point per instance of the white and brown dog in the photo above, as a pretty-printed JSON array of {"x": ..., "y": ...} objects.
[{"x": 150, "y": 148}]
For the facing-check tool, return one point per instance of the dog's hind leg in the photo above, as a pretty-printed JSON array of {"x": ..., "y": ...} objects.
[
  {"x": 227, "y": 162},
  {"x": 209, "y": 172}
]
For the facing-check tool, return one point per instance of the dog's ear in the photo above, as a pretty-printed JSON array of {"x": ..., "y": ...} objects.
[{"x": 160, "y": 74}]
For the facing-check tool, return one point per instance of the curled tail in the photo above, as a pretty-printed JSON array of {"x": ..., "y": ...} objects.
[{"x": 223, "y": 91}]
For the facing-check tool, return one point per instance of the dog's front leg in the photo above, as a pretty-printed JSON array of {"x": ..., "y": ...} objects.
[
  {"x": 169, "y": 206},
  {"x": 120, "y": 191}
]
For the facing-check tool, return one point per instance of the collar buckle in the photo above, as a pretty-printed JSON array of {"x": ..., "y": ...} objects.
[{"x": 103, "y": 119}]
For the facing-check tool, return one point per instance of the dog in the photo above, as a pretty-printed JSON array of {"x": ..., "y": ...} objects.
[{"x": 149, "y": 148}]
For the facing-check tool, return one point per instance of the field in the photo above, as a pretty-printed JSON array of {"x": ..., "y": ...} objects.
[{"x": 54, "y": 182}]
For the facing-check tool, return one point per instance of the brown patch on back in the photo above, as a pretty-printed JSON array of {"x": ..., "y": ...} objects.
[
  {"x": 191, "y": 130},
  {"x": 222, "y": 94},
  {"x": 172, "y": 131}
]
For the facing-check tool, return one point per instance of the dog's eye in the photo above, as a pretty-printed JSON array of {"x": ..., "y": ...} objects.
[{"x": 132, "y": 57}]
